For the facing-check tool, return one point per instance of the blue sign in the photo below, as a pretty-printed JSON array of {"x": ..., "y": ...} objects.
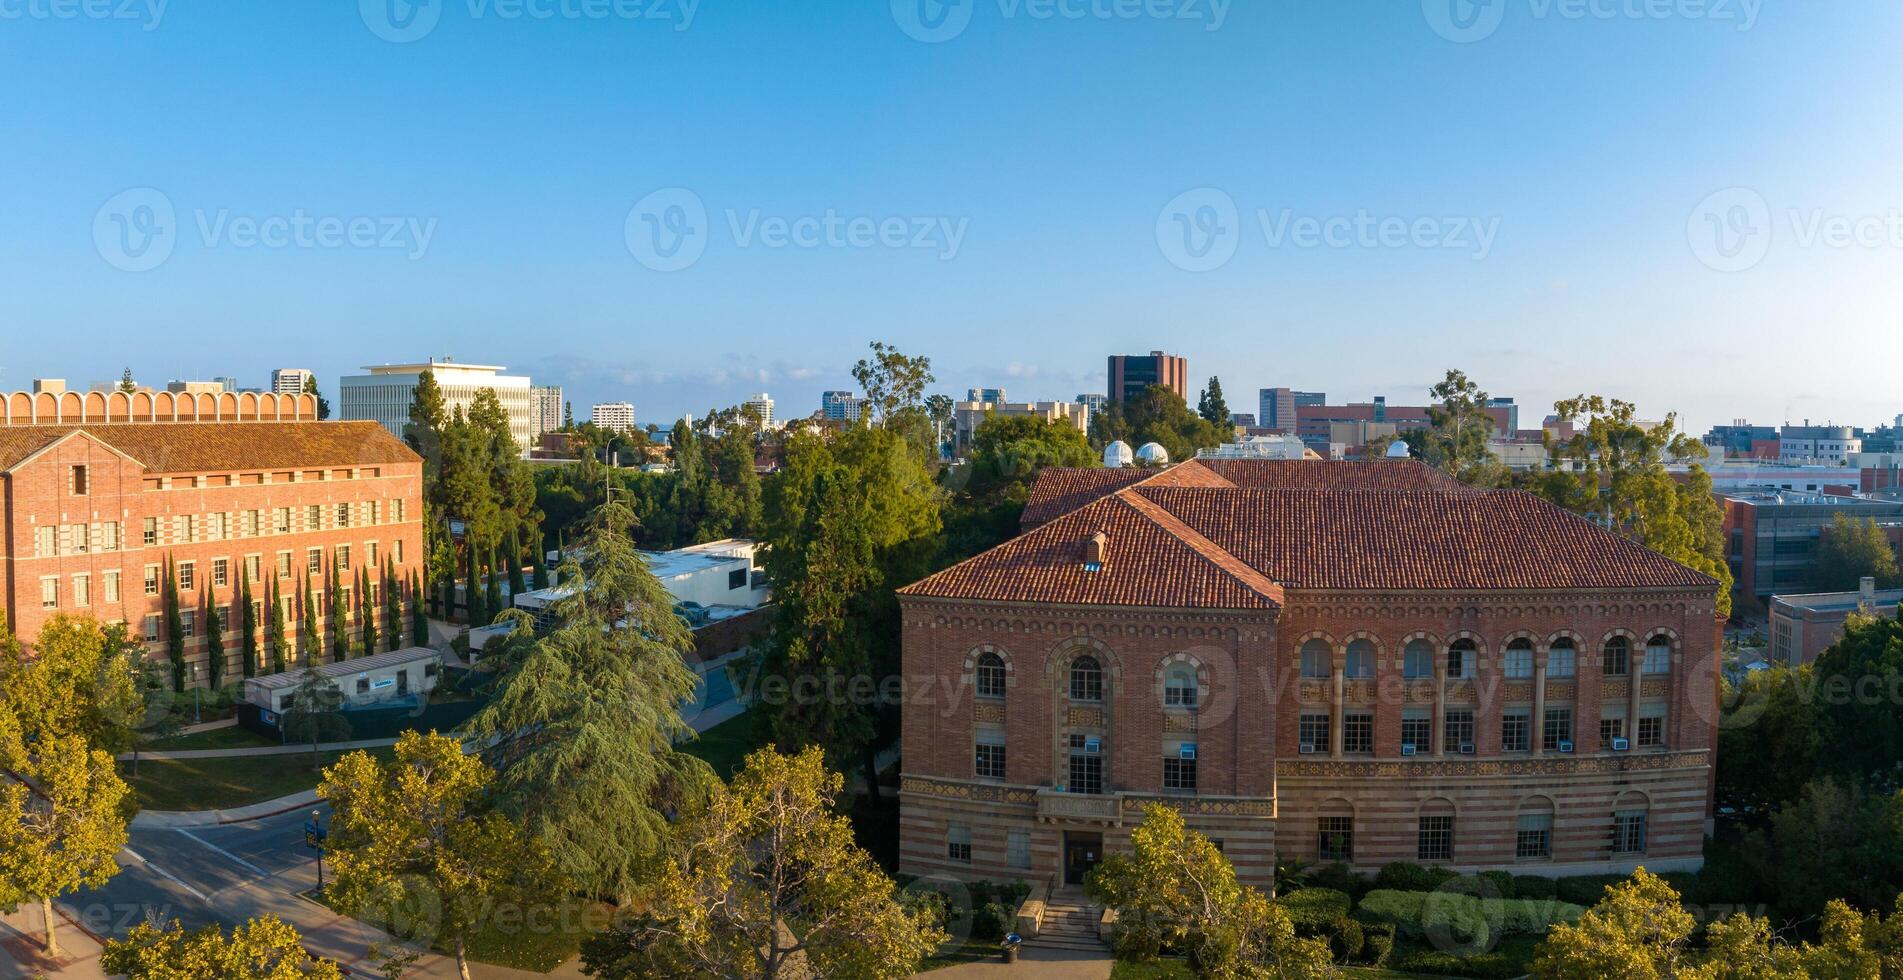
[{"x": 314, "y": 835}]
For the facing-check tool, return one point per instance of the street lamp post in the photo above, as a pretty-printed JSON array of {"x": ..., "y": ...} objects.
[{"x": 195, "y": 718}]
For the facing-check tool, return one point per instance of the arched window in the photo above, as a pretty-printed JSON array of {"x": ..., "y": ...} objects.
[
  {"x": 1658, "y": 654},
  {"x": 1520, "y": 659},
  {"x": 1417, "y": 660},
  {"x": 990, "y": 676},
  {"x": 1461, "y": 659},
  {"x": 1317, "y": 659},
  {"x": 1562, "y": 659},
  {"x": 1360, "y": 659},
  {"x": 1179, "y": 687},
  {"x": 1618, "y": 657},
  {"x": 1086, "y": 680}
]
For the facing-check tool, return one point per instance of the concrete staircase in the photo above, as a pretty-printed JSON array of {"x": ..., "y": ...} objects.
[{"x": 1070, "y": 922}]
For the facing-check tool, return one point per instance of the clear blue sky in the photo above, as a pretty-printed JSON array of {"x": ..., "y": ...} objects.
[{"x": 1587, "y": 135}]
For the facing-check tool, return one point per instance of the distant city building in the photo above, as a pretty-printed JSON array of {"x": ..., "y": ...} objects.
[
  {"x": 1512, "y": 413},
  {"x": 49, "y": 386},
  {"x": 762, "y": 405},
  {"x": 1338, "y": 430},
  {"x": 1259, "y": 447},
  {"x": 613, "y": 416},
  {"x": 545, "y": 403},
  {"x": 196, "y": 387},
  {"x": 1093, "y": 402},
  {"x": 993, "y": 395},
  {"x": 967, "y": 415},
  {"x": 1276, "y": 407},
  {"x": 386, "y": 393},
  {"x": 1741, "y": 438},
  {"x": 1803, "y": 626},
  {"x": 1817, "y": 444},
  {"x": 841, "y": 406},
  {"x": 1771, "y": 536},
  {"x": 290, "y": 381},
  {"x": 1243, "y": 419},
  {"x": 1131, "y": 373}
]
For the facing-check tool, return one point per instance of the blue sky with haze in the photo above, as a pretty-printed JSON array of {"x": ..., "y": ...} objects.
[{"x": 1692, "y": 203}]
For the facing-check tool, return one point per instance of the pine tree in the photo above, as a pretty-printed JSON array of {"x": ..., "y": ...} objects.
[
  {"x": 1212, "y": 407},
  {"x": 126, "y": 384},
  {"x": 419, "y": 620},
  {"x": 275, "y": 596},
  {"x": 214, "y": 637},
  {"x": 323, "y": 404},
  {"x": 174, "y": 626},
  {"x": 248, "y": 621}
]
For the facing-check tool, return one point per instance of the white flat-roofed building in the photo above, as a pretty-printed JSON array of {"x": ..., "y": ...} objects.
[
  {"x": 546, "y": 406},
  {"x": 365, "y": 682},
  {"x": 291, "y": 381},
  {"x": 613, "y": 416},
  {"x": 385, "y": 394},
  {"x": 719, "y": 576},
  {"x": 762, "y": 405}
]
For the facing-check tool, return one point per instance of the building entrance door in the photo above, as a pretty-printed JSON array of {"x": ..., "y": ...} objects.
[{"x": 1081, "y": 853}]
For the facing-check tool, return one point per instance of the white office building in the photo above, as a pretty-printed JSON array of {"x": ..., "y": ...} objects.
[
  {"x": 290, "y": 381},
  {"x": 841, "y": 406},
  {"x": 546, "y": 401},
  {"x": 385, "y": 394},
  {"x": 613, "y": 416},
  {"x": 762, "y": 405}
]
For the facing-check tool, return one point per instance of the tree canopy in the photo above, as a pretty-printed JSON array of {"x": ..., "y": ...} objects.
[
  {"x": 264, "y": 948},
  {"x": 1212, "y": 407},
  {"x": 1156, "y": 414},
  {"x": 1851, "y": 549}
]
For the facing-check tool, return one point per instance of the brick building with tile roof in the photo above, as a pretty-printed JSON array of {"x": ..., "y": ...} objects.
[
  {"x": 1333, "y": 661},
  {"x": 91, "y": 513}
]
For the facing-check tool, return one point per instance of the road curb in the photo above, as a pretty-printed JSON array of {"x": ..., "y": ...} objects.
[{"x": 182, "y": 819}]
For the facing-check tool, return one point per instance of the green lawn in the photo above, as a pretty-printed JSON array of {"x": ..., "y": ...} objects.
[
  {"x": 969, "y": 951},
  {"x": 725, "y": 746},
  {"x": 235, "y": 737},
  {"x": 220, "y": 784},
  {"x": 1160, "y": 970},
  {"x": 538, "y": 941}
]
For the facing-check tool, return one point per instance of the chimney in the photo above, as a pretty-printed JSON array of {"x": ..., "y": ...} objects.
[{"x": 1097, "y": 552}]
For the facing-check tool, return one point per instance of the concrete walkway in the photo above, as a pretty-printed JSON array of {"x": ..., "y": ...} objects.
[
  {"x": 367, "y": 743},
  {"x": 181, "y": 819},
  {"x": 1043, "y": 964}
]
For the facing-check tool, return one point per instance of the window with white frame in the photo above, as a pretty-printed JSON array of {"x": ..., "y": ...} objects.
[
  {"x": 109, "y": 536},
  {"x": 1314, "y": 731},
  {"x": 990, "y": 757},
  {"x": 314, "y": 560},
  {"x": 1462, "y": 658},
  {"x": 1017, "y": 848},
  {"x": 1519, "y": 660},
  {"x": 1651, "y": 728},
  {"x": 79, "y": 535},
  {"x": 1658, "y": 655},
  {"x": 1086, "y": 679},
  {"x": 1628, "y": 832},
  {"x": 1417, "y": 730},
  {"x": 187, "y": 575},
  {"x": 1562, "y": 659},
  {"x": 1360, "y": 659},
  {"x": 990, "y": 673},
  {"x": 1179, "y": 774},
  {"x": 49, "y": 592},
  {"x": 220, "y": 572},
  {"x": 1533, "y": 836},
  {"x": 1179, "y": 687},
  {"x": 46, "y": 541},
  {"x": 188, "y": 623},
  {"x": 958, "y": 842},
  {"x": 149, "y": 627},
  {"x": 82, "y": 590},
  {"x": 151, "y": 580},
  {"x": 1616, "y": 658},
  {"x": 109, "y": 586},
  {"x": 149, "y": 535}
]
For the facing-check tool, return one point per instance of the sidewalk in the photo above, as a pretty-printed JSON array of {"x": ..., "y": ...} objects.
[
  {"x": 367, "y": 743},
  {"x": 21, "y": 954},
  {"x": 1044, "y": 964}
]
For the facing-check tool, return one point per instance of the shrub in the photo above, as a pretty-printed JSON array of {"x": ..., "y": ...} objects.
[
  {"x": 1534, "y": 887},
  {"x": 993, "y": 920},
  {"x": 1341, "y": 878},
  {"x": 1511, "y": 958},
  {"x": 1407, "y": 876},
  {"x": 1378, "y": 946},
  {"x": 1314, "y": 904},
  {"x": 1345, "y": 938},
  {"x": 1584, "y": 890},
  {"x": 1462, "y": 919},
  {"x": 1502, "y": 883}
]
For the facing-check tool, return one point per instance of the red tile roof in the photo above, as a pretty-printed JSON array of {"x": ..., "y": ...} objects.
[
  {"x": 1237, "y": 545},
  {"x": 1062, "y": 489},
  {"x": 190, "y": 447}
]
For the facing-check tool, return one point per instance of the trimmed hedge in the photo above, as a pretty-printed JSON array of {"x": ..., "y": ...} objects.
[
  {"x": 1534, "y": 886},
  {"x": 1463, "y": 919},
  {"x": 1507, "y": 960},
  {"x": 1378, "y": 943},
  {"x": 1341, "y": 878},
  {"x": 1406, "y": 876},
  {"x": 1318, "y": 903}
]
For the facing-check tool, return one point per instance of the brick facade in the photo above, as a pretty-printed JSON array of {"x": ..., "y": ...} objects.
[{"x": 200, "y": 516}]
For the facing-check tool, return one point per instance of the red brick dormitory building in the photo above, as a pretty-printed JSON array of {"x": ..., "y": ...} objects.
[
  {"x": 94, "y": 503},
  {"x": 1357, "y": 662}
]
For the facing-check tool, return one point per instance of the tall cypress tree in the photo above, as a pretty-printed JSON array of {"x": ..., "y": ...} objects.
[
  {"x": 274, "y": 594},
  {"x": 419, "y": 620},
  {"x": 214, "y": 637},
  {"x": 339, "y": 616},
  {"x": 174, "y": 626},
  {"x": 366, "y": 612},
  {"x": 473, "y": 594},
  {"x": 313, "y": 634},
  {"x": 392, "y": 606},
  {"x": 492, "y": 591},
  {"x": 516, "y": 585},
  {"x": 247, "y": 620}
]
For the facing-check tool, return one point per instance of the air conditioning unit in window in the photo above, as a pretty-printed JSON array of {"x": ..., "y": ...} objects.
[
  {"x": 1407, "y": 748},
  {"x": 1565, "y": 745},
  {"x": 1308, "y": 748},
  {"x": 1094, "y": 746},
  {"x": 1188, "y": 751},
  {"x": 1466, "y": 748},
  {"x": 1621, "y": 745}
]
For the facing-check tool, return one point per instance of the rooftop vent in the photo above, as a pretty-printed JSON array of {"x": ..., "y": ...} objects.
[{"x": 1096, "y": 552}]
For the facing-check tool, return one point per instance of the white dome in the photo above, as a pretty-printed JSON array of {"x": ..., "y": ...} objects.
[
  {"x": 1117, "y": 455},
  {"x": 1397, "y": 449},
  {"x": 1154, "y": 454}
]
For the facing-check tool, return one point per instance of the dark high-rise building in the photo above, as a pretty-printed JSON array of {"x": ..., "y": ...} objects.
[
  {"x": 1129, "y": 373},
  {"x": 1276, "y": 407}
]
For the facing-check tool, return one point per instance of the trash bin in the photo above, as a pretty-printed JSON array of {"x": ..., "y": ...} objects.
[{"x": 1010, "y": 947}]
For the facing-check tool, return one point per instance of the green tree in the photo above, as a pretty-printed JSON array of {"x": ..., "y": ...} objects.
[
  {"x": 1212, "y": 407},
  {"x": 126, "y": 384},
  {"x": 247, "y": 620},
  {"x": 420, "y": 823},
  {"x": 392, "y": 606},
  {"x": 274, "y": 616},
  {"x": 264, "y": 948},
  {"x": 1156, "y": 414},
  {"x": 767, "y": 882},
  {"x": 1851, "y": 549},
  {"x": 581, "y": 731},
  {"x": 1862, "y": 734},
  {"x": 323, "y": 404},
  {"x": 367, "y": 611},
  {"x": 1768, "y": 738},
  {"x": 894, "y": 383},
  {"x": 1459, "y": 428},
  {"x": 82, "y": 680},
  {"x": 339, "y": 614},
  {"x": 174, "y": 624},
  {"x": 491, "y": 592},
  {"x": 429, "y": 415},
  {"x": 315, "y": 714},
  {"x": 474, "y": 595},
  {"x": 214, "y": 637},
  {"x": 1638, "y": 931},
  {"x": 61, "y": 835},
  {"x": 419, "y": 620},
  {"x": 312, "y": 632}
]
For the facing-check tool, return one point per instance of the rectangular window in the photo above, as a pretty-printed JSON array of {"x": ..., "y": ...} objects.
[
  {"x": 111, "y": 586},
  {"x": 46, "y": 541},
  {"x": 1179, "y": 774},
  {"x": 1628, "y": 832},
  {"x": 78, "y": 534},
  {"x": 109, "y": 536},
  {"x": 220, "y": 572},
  {"x": 1534, "y": 837},
  {"x": 82, "y": 590},
  {"x": 1609, "y": 729},
  {"x": 187, "y": 576},
  {"x": 1017, "y": 848},
  {"x": 736, "y": 579},
  {"x": 284, "y": 564},
  {"x": 1651, "y": 730},
  {"x": 1435, "y": 839},
  {"x": 1315, "y": 733},
  {"x": 396, "y": 551},
  {"x": 958, "y": 843},
  {"x": 376, "y": 512},
  {"x": 1357, "y": 733},
  {"x": 370, "y": 554},
  {"x": 1460, "y": 663},
  {"x": 1561, "y": 662},
  {"x": 49, "y": 592},
  {"x": 250, "y": 525},
  {"x": 252, "y": 566},
  {"x": 314, "y": 560},
  {"x": 1516, "y": 731},
  {"x": 1417, "y": 731},
  {"x": 1086, "y": 774},
  {"x": 150, "y": 627},
  {"x": 150, "y": 535},
  {"x": 281, "y": 520},
  {"x": 151, "y": 580},
  {"x": 1618, "y": 659},
  {"x": 1558, "y": 728},
  {"x": 78, "y": 482},
  {"x": 188, "y": 623},
  {"x": 314, "y": 518},
  {"x": 1459, "y": 723},
  {"x": 397, "y": 509},
  {"x": 218, "y": 526},
  {"x": 1658, "y": 658},
  {"x": 188, "y": 528},
  {"x": 1337, "y": 838},
  {"x": 990, "y": 761},
  {"x": 343, "y": 515},
  {"x": 343, "y": 558}
]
